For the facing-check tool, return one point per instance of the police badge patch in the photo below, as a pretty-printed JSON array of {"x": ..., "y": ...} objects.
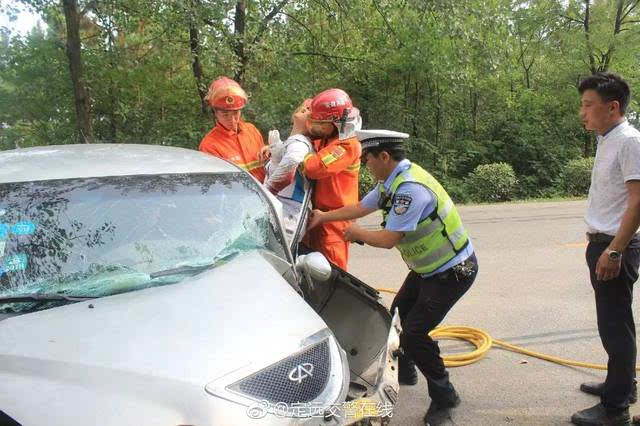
[{"x": 401, "y": 203}]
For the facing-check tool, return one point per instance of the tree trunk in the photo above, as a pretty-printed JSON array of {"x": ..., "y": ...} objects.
[
  {"x": 197, "y": 68},
  {"x": 587, "y": 36},
  {"x": 474, "y": 113},
  {"x": 73, "y": 50},
  {"x": 239, "y": 29},
  {"x": 589, "y": 143}
]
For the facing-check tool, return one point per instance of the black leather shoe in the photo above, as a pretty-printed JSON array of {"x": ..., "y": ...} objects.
[
  {"x": 439, "y": 412},
  {"x": 598, "y": 416},
  {"x": 596, "y": 388},
  {"x": 407, "y": 374}
]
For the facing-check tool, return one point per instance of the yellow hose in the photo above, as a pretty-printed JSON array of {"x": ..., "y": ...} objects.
[{"x": 483, "y": 342}]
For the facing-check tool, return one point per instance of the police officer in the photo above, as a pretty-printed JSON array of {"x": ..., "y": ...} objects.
[{"x": 421, "y": 220}]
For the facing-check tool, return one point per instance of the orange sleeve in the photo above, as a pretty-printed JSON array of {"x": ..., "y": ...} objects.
[{"x": 332, "y": 159}]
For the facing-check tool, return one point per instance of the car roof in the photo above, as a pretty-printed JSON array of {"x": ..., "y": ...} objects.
[{"x": 97, "y": 160}]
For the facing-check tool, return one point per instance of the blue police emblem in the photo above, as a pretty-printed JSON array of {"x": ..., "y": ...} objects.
[{"x": 401, "y": 203}]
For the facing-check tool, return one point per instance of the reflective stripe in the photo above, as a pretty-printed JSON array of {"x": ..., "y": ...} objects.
[
  {"x": 328, "y": 159},
  {"x": 424, "y": 230},
  {"x": 433, "y": 257},
  {"x": 446, "y": 209},
  {"x": 458, "y": 235},
  {"x": 354, "y": 167},
  {"x": 420, "y": 232},
  {"x": 252, "y": 165}
]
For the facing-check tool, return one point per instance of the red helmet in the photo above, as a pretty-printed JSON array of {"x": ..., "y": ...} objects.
[
  {"x": 225, "y": 93},
  {"x": 332, "y": 105}
]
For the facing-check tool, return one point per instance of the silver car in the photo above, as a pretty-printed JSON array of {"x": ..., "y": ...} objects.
[{"x": 147, "y": 285}]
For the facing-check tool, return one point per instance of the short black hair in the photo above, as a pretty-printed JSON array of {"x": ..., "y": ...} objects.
[
  {"x": 396, "y": 151},
  {"x": 610, "y": 87}
]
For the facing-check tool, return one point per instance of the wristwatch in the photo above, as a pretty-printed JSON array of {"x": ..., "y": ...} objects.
[{"x": 614, "y": 255}]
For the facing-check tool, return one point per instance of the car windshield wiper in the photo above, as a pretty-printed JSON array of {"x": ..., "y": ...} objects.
[
  {"x": 194, "y": 269},
  {"x": 38, "y": 297}
]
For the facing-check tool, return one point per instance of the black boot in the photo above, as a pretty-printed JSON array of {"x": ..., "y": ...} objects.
[
  {"x": 596, "y": 388},
  {"x": 407, "y": 374},
  {"x": 598, "y": 416}
]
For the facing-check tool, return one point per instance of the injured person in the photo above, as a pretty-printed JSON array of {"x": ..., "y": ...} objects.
[{"x": 283, "y": 178}]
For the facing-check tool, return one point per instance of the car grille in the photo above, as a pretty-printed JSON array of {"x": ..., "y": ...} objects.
[{"x": 290, "y": 380}]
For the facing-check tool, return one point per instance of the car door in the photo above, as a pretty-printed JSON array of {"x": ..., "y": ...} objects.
[{"x": 365, "y": 329}]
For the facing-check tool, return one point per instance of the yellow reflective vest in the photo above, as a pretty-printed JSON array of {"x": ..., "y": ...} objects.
[{"x": 439, "y": 237}]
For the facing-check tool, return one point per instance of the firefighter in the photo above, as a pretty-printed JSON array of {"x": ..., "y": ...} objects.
[
  {"x": 423, "y": 223},
  {"x": 232, "y": 138},
  {"x": 331, "y": 124}
]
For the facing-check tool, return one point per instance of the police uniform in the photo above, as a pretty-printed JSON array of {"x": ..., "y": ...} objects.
[{"x": 439, "y": 252}]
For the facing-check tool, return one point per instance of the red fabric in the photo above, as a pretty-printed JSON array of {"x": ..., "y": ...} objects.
[
  {"x": 241, "y": 148},
  {"x": 334, "y": 167}
]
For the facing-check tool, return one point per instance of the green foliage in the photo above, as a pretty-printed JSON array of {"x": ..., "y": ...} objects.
[
  {"x": 457, "y": 190},
  {"x": 474, "y": 82},
  {"x": 366, "y": 182},
  {"x": 491, "y": 183},
  {"x": 576, "y": 176}
]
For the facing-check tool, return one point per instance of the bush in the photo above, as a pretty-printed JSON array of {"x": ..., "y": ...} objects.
[
  {"x": 366, "y": 182},
  {"x": 456, "y": 189},
  {"x": 491, "y": 182},
  {"x": 576, "y": 176}
]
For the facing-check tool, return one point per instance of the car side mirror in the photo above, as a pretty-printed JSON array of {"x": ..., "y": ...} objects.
[{"x": 314, "y": 264}]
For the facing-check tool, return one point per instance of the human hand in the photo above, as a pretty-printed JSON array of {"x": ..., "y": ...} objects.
[
  {"x": 264, "y": 154},
  {"x": 607, "y": 269},
  {"x": 274, "y": 137},
  {"x": 315, "y": 219}
]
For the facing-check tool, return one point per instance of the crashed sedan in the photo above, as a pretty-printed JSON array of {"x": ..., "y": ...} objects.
[{"x": 154, "y": 285}]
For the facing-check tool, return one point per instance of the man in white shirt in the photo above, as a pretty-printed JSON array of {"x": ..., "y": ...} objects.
[{"x": 613, "y": 253}]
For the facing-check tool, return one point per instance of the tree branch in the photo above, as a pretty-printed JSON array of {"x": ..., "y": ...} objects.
[
  {"x": 631, "y": 7},
  {"x": 324, "y": 55},
  {"x": 384, "y": 18},
  {"x": 569, "y": 18},
  {"x": 265, "y": 21}
]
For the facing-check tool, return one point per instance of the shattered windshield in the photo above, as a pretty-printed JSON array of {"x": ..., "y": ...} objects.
[{"x": 94, "y": 237}]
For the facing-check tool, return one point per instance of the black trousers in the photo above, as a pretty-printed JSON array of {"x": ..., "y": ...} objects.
[
  {"x": 615, "y": 323},
  {"x": 423, "y": 303}
]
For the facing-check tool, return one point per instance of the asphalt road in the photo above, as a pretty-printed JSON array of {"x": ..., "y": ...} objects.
[{"x": 532, "y": 290}]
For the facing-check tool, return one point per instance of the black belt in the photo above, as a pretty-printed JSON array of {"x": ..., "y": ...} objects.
[
  {"x": 463, "y": 269},
  {"x": 606, "y": 238},
  {"x": 599, "y": 238}
]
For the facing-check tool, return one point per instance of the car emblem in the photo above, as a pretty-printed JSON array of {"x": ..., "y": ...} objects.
[{"x": 301, "y": 372}]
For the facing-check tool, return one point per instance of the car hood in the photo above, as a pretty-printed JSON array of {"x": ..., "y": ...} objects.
[{"x": 240, "y": 314}]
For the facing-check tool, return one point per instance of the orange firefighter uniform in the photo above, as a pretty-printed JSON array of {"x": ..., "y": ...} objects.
[
  {"x": 241, "y": 148},
  {"x": 334, "y": 167}
]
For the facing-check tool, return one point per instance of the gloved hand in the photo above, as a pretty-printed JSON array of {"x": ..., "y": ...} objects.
[
  {"x": 277, "y": 147},
  {"x": 274, "y": 137}
]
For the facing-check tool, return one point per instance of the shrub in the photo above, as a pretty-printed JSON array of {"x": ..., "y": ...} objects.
[
  {"x": 456, "y": 189},
  {"x": 576, "y": 176},
  {"x": 366, "y": 182},
  {"x": 491, "y": 182}
]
